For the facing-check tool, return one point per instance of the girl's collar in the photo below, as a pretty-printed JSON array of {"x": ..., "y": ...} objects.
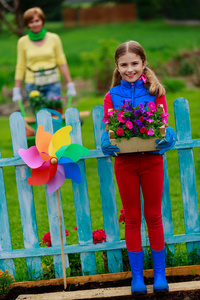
[{"x": 142, "y": 79}]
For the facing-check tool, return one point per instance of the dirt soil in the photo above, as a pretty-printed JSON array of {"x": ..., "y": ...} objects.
[{"x": 15, "y": 292}]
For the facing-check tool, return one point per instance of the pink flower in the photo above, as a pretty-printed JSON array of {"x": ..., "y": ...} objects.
[
  {"x": 142, "y": 130},
  {"x": 122, "y": 216},
  {"x": 150, "y": 120},
  {"x": 75, "y": 228},
  {"x": 151, "y": 105},
  {"x": 120, "y": 117},
  {"x": 129, "y": 124},
  {"x": 164, "y": 115},
  {"x": 164, "y": 120},
  {"x": 149, "y": 113},
  {"x": 110, "y": 113},
  {"x": 120, "y": 131},
  {"x": 99, "y": 236},
  {"x": 149, "y": 132}
]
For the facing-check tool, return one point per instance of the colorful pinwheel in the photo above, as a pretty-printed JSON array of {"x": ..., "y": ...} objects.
[{"x": 53, "y": 158}]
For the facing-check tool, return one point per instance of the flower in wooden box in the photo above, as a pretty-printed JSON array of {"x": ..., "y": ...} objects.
[{"x": 136, "y": 129}]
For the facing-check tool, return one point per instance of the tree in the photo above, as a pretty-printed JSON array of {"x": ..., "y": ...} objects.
[{"x": 15, "y": 9}]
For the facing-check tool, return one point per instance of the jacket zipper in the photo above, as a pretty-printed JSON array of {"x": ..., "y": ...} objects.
[{"x": 133, "y": 94}]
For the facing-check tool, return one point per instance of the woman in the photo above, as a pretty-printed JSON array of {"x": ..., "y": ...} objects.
[{"x": 39, "y": 56}]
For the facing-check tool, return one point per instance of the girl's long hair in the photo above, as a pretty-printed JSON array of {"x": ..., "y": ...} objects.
[{"x": 153, "y": 84}]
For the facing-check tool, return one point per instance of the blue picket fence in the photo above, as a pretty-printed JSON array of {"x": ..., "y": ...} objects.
[{"x": 113, "y": 246}]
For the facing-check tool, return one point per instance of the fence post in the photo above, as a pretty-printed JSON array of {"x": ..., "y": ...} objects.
[
  {"x": 25, "y": 195},
  {"x": 81, "y": 198},
  {"x": 108, "y": 197}
]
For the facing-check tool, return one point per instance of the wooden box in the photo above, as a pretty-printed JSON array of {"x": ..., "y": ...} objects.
[{"x": 136, "y": 144}]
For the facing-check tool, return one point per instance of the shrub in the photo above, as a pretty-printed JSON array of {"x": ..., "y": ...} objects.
[
  {"x": 100, "y": 64},
  {"x": 173, "y": 85},
  {"x": 5, "y": 281}
]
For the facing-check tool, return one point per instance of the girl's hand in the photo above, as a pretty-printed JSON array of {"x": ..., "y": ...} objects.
[
  {"x": 167, "y": 142},
  {"x": 106, "y": 146}
]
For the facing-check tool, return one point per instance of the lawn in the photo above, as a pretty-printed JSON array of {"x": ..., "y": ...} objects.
[{"x": 161, "y": 42}]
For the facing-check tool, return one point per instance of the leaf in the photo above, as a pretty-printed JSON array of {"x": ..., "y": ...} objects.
[{"x": 68, "y": 271}]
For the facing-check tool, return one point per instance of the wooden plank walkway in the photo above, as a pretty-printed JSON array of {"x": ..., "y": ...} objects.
[{"x": 108, "y": 292}]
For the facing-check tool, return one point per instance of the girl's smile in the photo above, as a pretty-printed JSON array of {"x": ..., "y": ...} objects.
[{"x": 130, "y": 66}]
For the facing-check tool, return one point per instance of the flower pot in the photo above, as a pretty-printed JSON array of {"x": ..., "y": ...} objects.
[{"x": 136, "y": 144}]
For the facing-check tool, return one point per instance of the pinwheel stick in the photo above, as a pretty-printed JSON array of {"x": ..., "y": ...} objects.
[{"x": 61, "y": 240}]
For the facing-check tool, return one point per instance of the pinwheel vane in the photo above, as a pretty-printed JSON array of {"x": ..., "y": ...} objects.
[{"x": 53, "y": 159}]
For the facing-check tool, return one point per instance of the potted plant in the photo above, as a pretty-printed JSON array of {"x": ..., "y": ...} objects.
[
  {"x": 135, "y": 129},
  {"x": 38, "y": 101}
]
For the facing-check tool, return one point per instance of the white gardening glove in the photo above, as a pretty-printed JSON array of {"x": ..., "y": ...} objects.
[
  {"x": 71, "y": 89},
  {"x": 16, "y": 94}
]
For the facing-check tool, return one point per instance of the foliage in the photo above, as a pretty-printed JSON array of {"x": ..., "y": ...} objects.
[
  {"x": 38, "y": 101},
  {"x": 141, "y": 121},
  {"x": 173, "y": 84},
  {"x": 100, "y": 64},
  {"x": 181, "y": 9},
  {"x": 5, "y": 281},
  {"x": 51, "y": 8}
]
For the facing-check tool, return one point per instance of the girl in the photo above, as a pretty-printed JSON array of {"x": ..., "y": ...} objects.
[
  {"x": 132, "y": 79},
  {"x": 39, "y": 56}
]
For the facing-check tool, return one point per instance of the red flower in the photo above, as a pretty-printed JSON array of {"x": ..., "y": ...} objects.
[
  {"x": 141, "y": 118},
  {"x": 47, "y": 238},
  {"x": 120, "y": 131},
  {"x": 99, "y": 236},
  {"x": 75, "y": 228},
  {"x": 142, "y": 130},
  {"x": 122, "y": 216}
]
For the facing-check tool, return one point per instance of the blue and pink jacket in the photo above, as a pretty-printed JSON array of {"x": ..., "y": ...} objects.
[{"x": 136, "y": 93}]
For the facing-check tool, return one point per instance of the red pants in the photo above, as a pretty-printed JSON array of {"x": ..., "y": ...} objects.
[{"x": 145, "y": 170}]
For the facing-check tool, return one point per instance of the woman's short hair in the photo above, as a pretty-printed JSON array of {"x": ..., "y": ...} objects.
[{"x": 31, "y": 12}]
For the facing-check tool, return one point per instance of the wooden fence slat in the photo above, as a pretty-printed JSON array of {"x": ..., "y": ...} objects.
[
  {"x": 166, "y": 206},
  {"x": 44, "y": 118},
  {"x": 5, "y": 237},
  {"x": 81, "y": 199},
  {"x": 25, "y": 195},
  {"x": 187, "y": 171},
  {"x": 108, "y": 197}
]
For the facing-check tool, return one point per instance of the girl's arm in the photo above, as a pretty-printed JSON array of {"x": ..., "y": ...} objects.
[
  {"x": 107, "y": 103},
  {"x": 162, "y": 100}
]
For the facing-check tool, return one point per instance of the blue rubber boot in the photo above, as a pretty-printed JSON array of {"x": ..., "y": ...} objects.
[
  {"x": 160, "y": 282},
  {"x": 136, "y": 262}
]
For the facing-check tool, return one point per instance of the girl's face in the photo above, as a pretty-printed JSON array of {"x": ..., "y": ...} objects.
[
  {"x": 35, "y": 24},
  {"x": 130, "y": 66}
]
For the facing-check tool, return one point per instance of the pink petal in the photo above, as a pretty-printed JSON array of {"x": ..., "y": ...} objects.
[
  {"x": 57, "y": 180},
  {"x": 31, "y": 157}
]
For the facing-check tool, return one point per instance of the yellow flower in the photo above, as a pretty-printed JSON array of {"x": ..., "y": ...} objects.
[{"x": 34, "y": 93}]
